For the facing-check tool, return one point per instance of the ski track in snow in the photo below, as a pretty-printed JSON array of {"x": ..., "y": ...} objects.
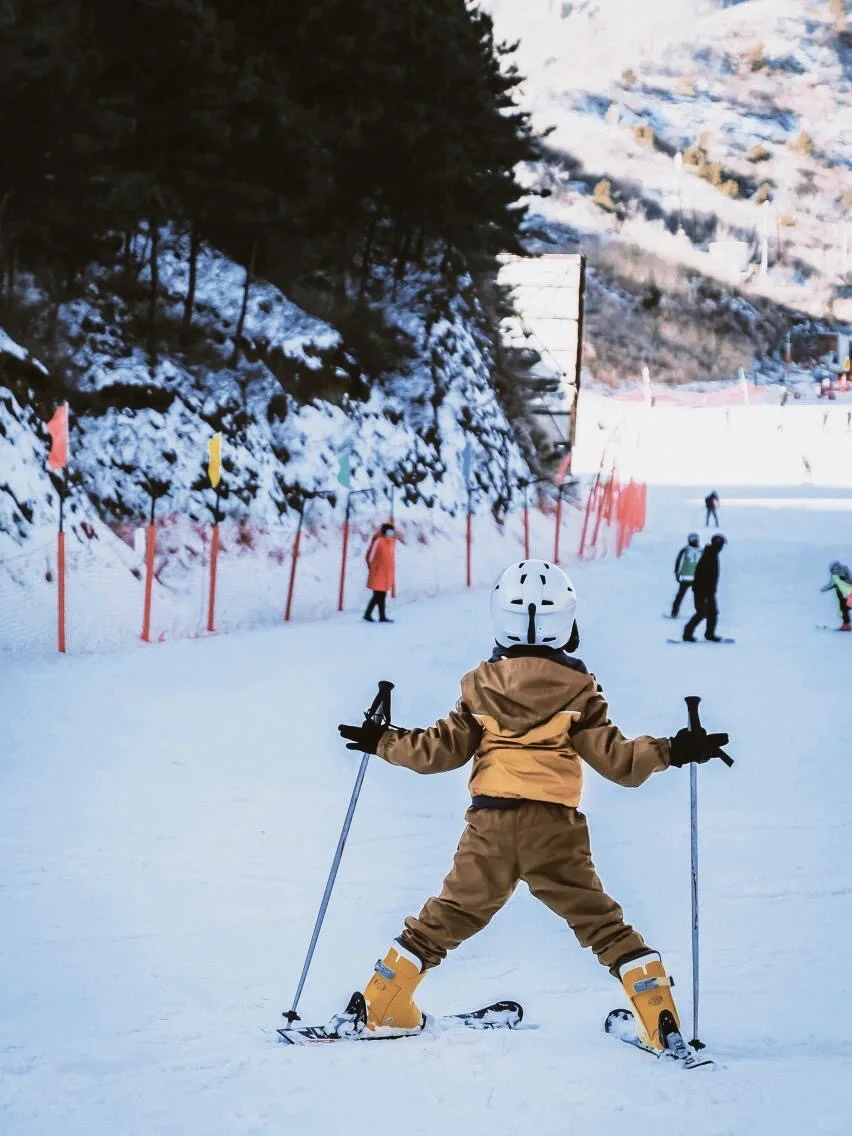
[{"x": 168, "y": 818}]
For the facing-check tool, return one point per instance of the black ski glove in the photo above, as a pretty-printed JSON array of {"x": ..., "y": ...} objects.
[
  {"x": 364, "y": 737},
  {"x": 695, "y": 745}
]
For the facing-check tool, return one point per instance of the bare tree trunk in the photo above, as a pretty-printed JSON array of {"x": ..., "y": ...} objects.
[
  {"x": 395, "y": 251},
  {"x": 194, "y": 249},
  {"x": 3, "y": 205},
  {"x": 12, "y": 273},
  {"x": 403, "y": 255},
  {"x": 153, "y": 223},
  {"x": 127, "y": 252},
  {"x": 365, "y": 260},
  {"x": 146, "y": 246},
  {"x": 238, "y": 335}
]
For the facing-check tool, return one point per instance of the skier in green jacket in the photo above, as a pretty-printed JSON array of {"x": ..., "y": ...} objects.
[
  {"x": 684, "y": 570},
  {"x": 841, "y": 582}
]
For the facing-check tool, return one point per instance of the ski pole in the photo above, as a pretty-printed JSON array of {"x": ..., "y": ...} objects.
[
  {"x": 692, "y": 702},
  {"x": 694, "y": 725},
  {"x": 380, "y": 713}
]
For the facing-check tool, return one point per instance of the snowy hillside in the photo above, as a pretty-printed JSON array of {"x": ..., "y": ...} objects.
[
  {"x": 396, "y": 401},
  {"x": 754, "y": 95},
  {"x": 166, "y": 846},
  {"x": 295, "y": 401}
]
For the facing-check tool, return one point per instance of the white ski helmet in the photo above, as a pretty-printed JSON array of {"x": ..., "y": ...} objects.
[{"x": 534, "y": 604}]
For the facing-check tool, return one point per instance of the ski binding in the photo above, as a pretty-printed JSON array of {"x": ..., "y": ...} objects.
[
  {"x": 351, "y": 1024},
  {"x": 621, "y": 1024}
]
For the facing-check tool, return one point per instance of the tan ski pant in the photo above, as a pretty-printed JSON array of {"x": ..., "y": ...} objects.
[{"x": 546, "y": 846}]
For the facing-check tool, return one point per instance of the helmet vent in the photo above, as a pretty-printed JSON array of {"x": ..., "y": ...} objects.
[{"x": 547, "y": 603}]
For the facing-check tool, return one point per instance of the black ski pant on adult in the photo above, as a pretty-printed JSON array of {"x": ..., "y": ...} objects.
[
  {"x": 711, "y": 513},
  {"x": 377, "y": 601},
  {"x": 705, "y": 608},
  {"x": 682, "y": 589}
]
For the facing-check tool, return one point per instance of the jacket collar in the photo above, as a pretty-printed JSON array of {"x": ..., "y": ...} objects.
[{"x": 523, "y": 651}]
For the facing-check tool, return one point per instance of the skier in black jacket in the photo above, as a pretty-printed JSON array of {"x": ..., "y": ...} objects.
[
  {"x": 704, "y": 592},
  {"x": 711, "y": 504}
]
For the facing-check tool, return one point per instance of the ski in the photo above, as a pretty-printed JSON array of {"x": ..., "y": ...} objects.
[
  {"x": 620, "y": 1024},
  {"x": 827, "y": 627},
  {"x": 349, "y": 1026},
  {"x": 692, "y": 642}
]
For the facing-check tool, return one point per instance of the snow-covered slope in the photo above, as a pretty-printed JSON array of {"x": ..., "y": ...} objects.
[{"x": 167, "y": 820}]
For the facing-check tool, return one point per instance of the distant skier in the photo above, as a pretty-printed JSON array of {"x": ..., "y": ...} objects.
[
  {"x": 711, "y": 503},
  {"x": 704, "y": 592},
  {"x": 380, "y": 558},
  {"x": 529, "y": 718},
  {"x": 684, "y": 570},
  {"x": 841, "y": 582}
]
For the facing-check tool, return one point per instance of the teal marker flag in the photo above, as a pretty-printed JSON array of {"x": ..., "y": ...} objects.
[
  {"x": 344, "y": 472},
  {"x": 467, "y": 460}
]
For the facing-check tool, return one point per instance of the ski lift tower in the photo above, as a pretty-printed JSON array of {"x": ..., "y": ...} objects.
[{"x": 548, "y": 293}]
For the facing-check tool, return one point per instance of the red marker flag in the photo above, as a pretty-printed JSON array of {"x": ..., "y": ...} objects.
[{"x": 58, "y": 429}]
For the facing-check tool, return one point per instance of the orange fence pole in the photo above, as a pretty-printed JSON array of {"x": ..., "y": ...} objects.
[
  {"x": 590, "y": 504},
  {"x": 393, "y": 522},
  {"x": 60, "y": 570},
  {"x": 342, "y": 589},
  {"x": 468, "y": 544},
  {"x": 603, "y": 507},
  {"x": 150, "y": 546},
  {"x": 60, "y": 592},
  {"x": 558, "y": 530},
  {"x": 214, "y": 560},
  {"x": 294, "y": 560}
]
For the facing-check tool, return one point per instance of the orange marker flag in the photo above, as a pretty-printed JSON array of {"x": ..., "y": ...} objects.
[{"x": 58, "y": 429}]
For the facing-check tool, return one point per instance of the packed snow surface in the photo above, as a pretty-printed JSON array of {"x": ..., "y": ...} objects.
[{"x": 168, "y": 816}]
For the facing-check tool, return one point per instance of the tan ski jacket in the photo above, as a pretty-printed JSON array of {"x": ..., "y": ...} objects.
[{"x": 527, "y": 718}]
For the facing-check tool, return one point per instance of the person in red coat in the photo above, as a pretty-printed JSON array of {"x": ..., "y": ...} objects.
[{"x": 380, "y": 560}]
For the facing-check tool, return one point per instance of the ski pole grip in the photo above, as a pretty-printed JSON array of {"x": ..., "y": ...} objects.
[
  {"x": 381, "y": 707},
  {"x": 692, "y": 701}
]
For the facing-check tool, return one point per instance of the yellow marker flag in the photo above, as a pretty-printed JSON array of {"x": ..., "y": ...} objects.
[{"x": 214, "y": 466}]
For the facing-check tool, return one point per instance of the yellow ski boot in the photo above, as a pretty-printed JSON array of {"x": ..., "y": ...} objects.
[
  {"x": 648, "y": 987},
  {"x": 389, "y": 993}
]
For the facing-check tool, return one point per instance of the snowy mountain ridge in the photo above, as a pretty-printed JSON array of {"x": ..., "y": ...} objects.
[{"x": 753, "y": 95}]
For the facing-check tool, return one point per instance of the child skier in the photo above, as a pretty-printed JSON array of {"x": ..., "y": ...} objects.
[
  {"x": 528, "y": 718},
  {"x": 841, "y": 582},
  {"x": 684, "y": 570}
]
